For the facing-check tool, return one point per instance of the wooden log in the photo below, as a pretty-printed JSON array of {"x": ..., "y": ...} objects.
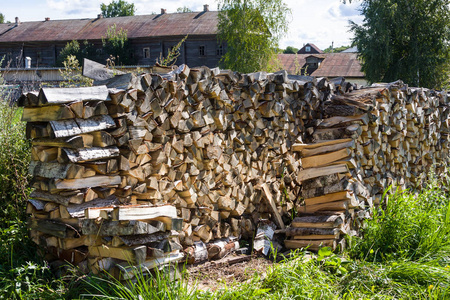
[
  {"x": 78, "y": 210},
  {"x": 57, "y": 198},
  {"x": 102, "y": 139},
  {"x": 49, "y": 96},
  {"x": 117, "y": 228},
  {"x": 343, "y": 185},
  {"x": 143, "y": 212},
  {"x": 301, "y": 147},
  {"x": 73, "y": 184},
  {"x": 344, "y": 195},
  {"x": 321, "y": 171},
  {"x": 49, "y": 227},
  {"x": 273, "y": 206},
  {"x": 67, "y": 128},
  {"x": 76, "y": 142},
  {"x": 332, "y": 221},
  {"x": 326, "y": 233},
  {"x": 324, "y": 159},
  {"x": 134, "y": 255},
  {"x": 55, "y": 170},
  {"x": 310, "y": 244},
  {"x": 332, "y": 206},
  {"x": 47, "y": 113},
  {"x": 326, "y": 149},
  {"x": 87, "y": 154},
  {"x": 338, "y": 120},
  {"x": 132, "y": 240}
]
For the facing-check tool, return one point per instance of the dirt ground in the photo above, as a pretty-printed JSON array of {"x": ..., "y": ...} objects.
[{"x": 216, "y": 274}]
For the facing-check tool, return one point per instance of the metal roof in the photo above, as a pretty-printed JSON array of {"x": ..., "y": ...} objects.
[
  {"x": 333, "y": 65},
  {"x": 340, "y": 64},
  {"x": 175, "y": 24}
]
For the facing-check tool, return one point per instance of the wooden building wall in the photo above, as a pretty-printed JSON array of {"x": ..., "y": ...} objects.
[{"x": 44, "y": 54}]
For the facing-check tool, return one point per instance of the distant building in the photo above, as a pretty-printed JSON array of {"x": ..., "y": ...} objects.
[
  {"x": 149, "y": 35},
  {"x": 309, "y": 49},
  {"x": 329, "y": 65}
]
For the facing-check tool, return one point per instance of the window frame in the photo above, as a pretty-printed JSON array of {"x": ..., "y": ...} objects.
[
  {"x": 202, "y": 50},
  {"x": 146, "y": 52}
]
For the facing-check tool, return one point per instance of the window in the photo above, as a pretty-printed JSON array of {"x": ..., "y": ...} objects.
[
  {"x": 201, "y": 50},
  {"x": 146, "y": 52},
  {"x": 219, "y": 50},
  {"x": 308, "y": 49}
]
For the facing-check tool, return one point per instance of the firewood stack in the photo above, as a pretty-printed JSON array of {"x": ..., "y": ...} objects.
[
  {"x": 76, "y": 208},
  {"x": 370, "y": 139},
  {"x": 134, "y": 171},
  {"x": 213, "y": 145}
]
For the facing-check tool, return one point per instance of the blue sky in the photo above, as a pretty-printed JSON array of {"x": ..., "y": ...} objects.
[{"x": 313, "y": 21}]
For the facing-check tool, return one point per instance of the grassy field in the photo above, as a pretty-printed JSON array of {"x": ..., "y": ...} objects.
[{"x": 405, "y": 253}]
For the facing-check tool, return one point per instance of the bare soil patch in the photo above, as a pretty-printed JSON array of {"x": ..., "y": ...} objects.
[{"x": 217, "y": 274}]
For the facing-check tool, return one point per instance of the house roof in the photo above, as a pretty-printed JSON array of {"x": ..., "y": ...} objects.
[
  {"x": 314, "y": 49},
  {"x": 353, "y": 49},
  {"x": 177, "y": 24},
  {"x": 333, "y": 65}
]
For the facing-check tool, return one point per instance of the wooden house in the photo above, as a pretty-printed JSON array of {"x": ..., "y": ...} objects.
[
  {"x": 329, "y": 65},
  {"x": 149, "y": 35}
]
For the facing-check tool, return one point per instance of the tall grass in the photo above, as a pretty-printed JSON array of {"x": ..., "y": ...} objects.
[
  {"x": 24, "y": 275},
  {"x": 409, "y": 227}
]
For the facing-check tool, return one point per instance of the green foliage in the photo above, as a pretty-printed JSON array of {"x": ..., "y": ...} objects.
[
  {"x": 183, "y": 9},
  {"x": 290, "y": 50},
  {"x": 409, "y": 227},
  {"x": 73, "y": 48},
  {"x": 14, "y": 159},
  {"x": 72, "y": 74},
  {"x": 172, "y": 55},
  {"x": 251, "y": 30},
  {"x": 2, "y": 18},
  {"x": 405, "y": 39},
  {"x": 116, "y": 44},
  {"x": 332, "y": 49},
  {"x": 118, "y": 8},
  {"x": 158, "y": 286}
]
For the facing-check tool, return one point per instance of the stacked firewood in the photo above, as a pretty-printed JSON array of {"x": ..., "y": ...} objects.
[
  {"x": 371, "y": 139},
  {"x": 134, "y": 171},
  {"x": 77, "y": 206},
  {"x": 214, "y": 145}
]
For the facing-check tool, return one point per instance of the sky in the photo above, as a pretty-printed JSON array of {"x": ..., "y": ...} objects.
[{"x": 320, "y": 22}]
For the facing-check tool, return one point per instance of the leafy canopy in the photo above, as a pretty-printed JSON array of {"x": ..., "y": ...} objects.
[
  {"x": 290, "y": 50},
  {"x": 251, "y": 30},
  {"x": 2, "y": 18},
  {"x": 118, "y": 8},
  {"x": 183, "y": 9},
  {"x": 116, "y": 44},
  {"x": 80, "y": 51},
  {"x": 405, "y": 39}
]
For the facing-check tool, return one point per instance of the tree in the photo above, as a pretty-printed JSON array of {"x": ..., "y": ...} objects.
[
  {"x": 2, "y": 18},
  {"x": 73, "y": 48},
  {"x": 183, "y": 9},
  {"x": 116, "y": 44},
  {"x": 251, "y": 30},
  {"x": 332, "y": 49},
  {"x": 118, "y": 8},
  {"x": 290, "y": 50},
  {"x": 405, "y": 39}
]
